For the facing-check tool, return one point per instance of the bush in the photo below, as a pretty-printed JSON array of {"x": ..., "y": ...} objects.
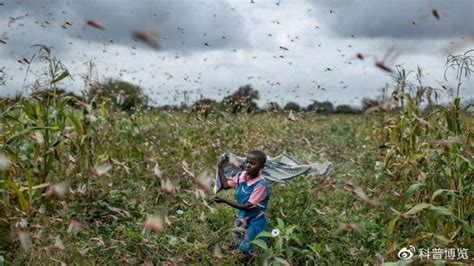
[
  {"x": 433, "y": 108},
  {"x": 8, "y": 101},
  {"x": 346, "y": 109},
  {"x": 46, "y": 95},
  {"x": 368, "y": 103},
  {"x": 205, "y": 106},
  {"x": 121, "y": 93},
  {"x": 166, "y": 107},
  {"x": 292, "y": 106},
  {"x": 271, "y": 107},
  {"x": 321, "y": 107},
  {"x": 242, "y": 101}
]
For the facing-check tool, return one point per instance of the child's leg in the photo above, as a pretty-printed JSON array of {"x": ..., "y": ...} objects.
[
  {"x": 255, "y": 227},
  {"x": 240, "y": 231}
]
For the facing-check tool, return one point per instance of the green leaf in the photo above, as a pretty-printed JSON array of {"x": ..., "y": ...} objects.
[
  {"x": 280, "y": 222},
  {"x": 466, "y": 108},
  {"x": 263, "y": 234},
  {"x": 441, "y": 211},
  {"x": 30, "y": 184},
  {"x": 439, "y": 191},
  {"x": 268, "y": 253},
  {"x": 289, "y": 252},
  {"x": 38, "y": 111},
  {"x": 449, "y": 121},
  {"x": 260, "y": 243},
  {"x": 444, "y": 240},
  {"x": 21, "y": 198},
  {"x": 23, "y": 132},
  {"x": 464, "y": 167},
  {"x": 417, "y": 208},
  {"x": 135, "y": 152},
  {"x": 9, "y": 109},
  {"x": 466, "y": 226},
  {"x": 457, "y": 102},
  {"x": 391, "y": 225},
  {"x": 296, "y": 239},
  {"x": 64, "y": 102},
  {"x": 290, "y": 229},
  {"x": 282, "y": 261},
  {"x": 410, "y": 191},
  {"x": 77, "y": 124},
  {"x": 466, "y": 160},
  {"x": 278, "y": 244},
  {"x": 29, "y": 109},
  {"x": 61, "y": 77},
  {"x": 104, "y": 109},
  {"x": 315, "y": 247}
]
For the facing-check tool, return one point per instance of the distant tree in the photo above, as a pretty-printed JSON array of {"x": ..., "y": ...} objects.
[
  {"x": 121, "y": 93},
  {"x": 292, "y": 106},
  {"x": 271, "y": 107},
  {"x": 321, "y": 107},
  {"x": 368, "y": 103},
  {"x": 46, "y": 95},
  {"x": 205, "y": 106},
  {"x": 167, "y": 107},
  {"x": 242, "y": 100},
  {"x": 8, "y": 101},
  {"x": 346, "y": 109}
]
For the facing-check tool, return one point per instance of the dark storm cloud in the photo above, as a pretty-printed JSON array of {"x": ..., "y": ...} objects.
[
  {"x": 398, "y": 18},
  {"x": 180, "y": 25},
  {"x": 26, "y": 24},
  {"x": 317, "y": 37}
]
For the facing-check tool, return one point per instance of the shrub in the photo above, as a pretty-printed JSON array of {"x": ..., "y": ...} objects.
[
  {"x": 242, "y": 101},
  {"x": 321, "y": 107},
  {"x": 121, "y": 93},
  {"x": 271, "y": 107},
  {"x": 292, "y": 106},
  {"x": 368, "y": 103},
  {"x": 205, "y": 106},
  {"x": 47, "y": 95},
  {"x": 346, "y": 109},
  {"x": 8, "y": 101}
]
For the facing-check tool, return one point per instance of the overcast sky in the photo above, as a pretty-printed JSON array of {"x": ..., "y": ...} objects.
[{"x": 287, "y": 50}]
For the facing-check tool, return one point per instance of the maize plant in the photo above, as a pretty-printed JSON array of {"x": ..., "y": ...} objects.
[{"x": 428, "y": 163}]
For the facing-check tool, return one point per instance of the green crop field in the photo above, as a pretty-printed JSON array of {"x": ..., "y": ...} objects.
[
  {"x": 95, "y": 185},
  {"x": 106, "y": 179}
]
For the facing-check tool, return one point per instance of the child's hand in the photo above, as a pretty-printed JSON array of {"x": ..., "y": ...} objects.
[
  {"x": 218, "y": 199},
  {"x": 221, "y": 161}
]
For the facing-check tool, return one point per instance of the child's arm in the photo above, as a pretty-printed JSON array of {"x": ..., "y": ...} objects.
[
  {"x": 247, "y": 206},
  {"x": 221, "y": 173}
]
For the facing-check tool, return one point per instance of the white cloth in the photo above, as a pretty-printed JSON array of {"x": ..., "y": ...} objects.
[{"x": 278, "y": 169}]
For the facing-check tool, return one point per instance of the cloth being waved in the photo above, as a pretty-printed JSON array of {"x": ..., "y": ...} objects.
[{"x": 279, "y": 169}]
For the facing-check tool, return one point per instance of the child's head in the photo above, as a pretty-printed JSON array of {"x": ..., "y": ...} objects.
[{"x": 255, "y": 161}]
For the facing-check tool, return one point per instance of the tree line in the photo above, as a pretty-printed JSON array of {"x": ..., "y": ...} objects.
[{"x": 130, "y": 97}]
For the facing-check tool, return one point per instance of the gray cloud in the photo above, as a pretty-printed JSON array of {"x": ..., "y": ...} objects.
[
  {"x": 395, "y": 18},
  {"x": 255, "y": 31},
  {"x": 183, "y": 26}
]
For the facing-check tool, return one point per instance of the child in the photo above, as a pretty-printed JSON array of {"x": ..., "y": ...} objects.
[{"x": 252, "y": 196}]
